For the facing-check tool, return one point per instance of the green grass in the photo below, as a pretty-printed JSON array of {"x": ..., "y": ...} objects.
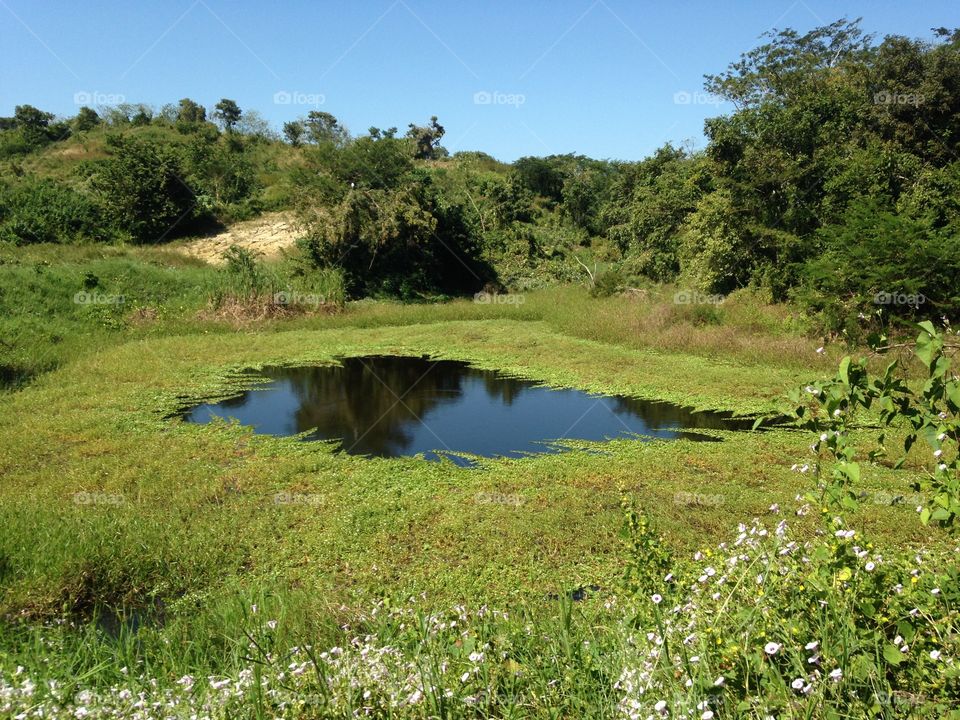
[{"x": 108, "y": 503}]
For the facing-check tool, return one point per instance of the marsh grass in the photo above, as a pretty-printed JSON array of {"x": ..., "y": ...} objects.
[{"x": 109, "y": 507}]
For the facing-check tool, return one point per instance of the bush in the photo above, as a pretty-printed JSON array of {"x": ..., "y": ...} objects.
[
  {"x": 143, "y": 190},
  {"x": 607, "y": 283},
  {"x": 46, "y": 211},
  {"x": 877, "y": 260}
]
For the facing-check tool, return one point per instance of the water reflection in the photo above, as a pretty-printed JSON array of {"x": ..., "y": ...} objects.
[{"x": 391, "y": 406}]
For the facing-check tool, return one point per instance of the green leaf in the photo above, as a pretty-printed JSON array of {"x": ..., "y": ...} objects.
[
  {"x": 845, "y": 370},
  {"x": 892, "y": 654}
]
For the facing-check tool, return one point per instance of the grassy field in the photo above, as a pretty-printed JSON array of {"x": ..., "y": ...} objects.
[{"x": 207, "y": 532}]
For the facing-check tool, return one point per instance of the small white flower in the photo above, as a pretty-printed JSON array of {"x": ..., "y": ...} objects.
[
  {"x": 798, "y": 684},
  {"x": 660, "y": 706},
  {"x": 707, "y": 715},
  {"x": 836, "y": 674},
  {"x": 820, "y": 350},
  {"x": 772, "y": 648},
  {"x": 720, "y": 681},
  {"x": 935, "y": 591},
  {"x": 812, "y": 645},
  {"x": 934, "y": 654},
  {"x": 657, "y": 598},
  {"x": 272, "y": 624},
  {"x": 869, "y": 566}
]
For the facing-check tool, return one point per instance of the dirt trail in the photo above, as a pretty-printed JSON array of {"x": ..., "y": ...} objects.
[{"x": 267, "y": 234}]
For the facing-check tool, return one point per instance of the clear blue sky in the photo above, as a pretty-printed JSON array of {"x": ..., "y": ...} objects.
[{"x": 598, "y": 77}]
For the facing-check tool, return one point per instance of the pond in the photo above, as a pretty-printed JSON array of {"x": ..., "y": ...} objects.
[{"x": 393, "y": 406}]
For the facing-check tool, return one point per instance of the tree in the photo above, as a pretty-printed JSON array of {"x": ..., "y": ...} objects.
[
  {"x": 322, "y": 127},
  {"x": 143, "y": 191},
  {"x": 190, "y": 112},
  {"x": 293, "y": 132},
  {"x": 86, "y": 119},
  {"x": 227, "y": 112},
  {"x": 789, "y": 64},
  {"x": 427, "y": 139}
]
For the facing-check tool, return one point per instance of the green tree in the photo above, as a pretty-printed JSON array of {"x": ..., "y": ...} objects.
[
  {"x": 293, "y": 132},
  {"x": 86, "y": 119},
  {"x": 228, "y": 113},
  {"x": 426, "y": 139},
  {"x": 143, "y": 191},
  {"x": 322, "y": 127}
]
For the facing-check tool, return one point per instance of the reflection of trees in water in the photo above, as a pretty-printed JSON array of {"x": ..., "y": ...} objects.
[
  {"x": 373, "y": 404},
  {"x": 358, "y": 400},
  {"x": 663, "y": 414}
]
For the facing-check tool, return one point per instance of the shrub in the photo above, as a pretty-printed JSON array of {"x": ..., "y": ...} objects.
[
  {"x": 37, "y": 211},
  {"x": 143, "y": 190},
  {"x": 876, "y": 260}
]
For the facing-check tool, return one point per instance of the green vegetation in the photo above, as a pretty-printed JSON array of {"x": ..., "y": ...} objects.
[
  {"x": 841, "y": 152},
  {"x": 152, "y": 568}
]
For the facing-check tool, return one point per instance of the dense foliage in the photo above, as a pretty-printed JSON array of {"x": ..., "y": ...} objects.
[{"x": 834, "y": 181}]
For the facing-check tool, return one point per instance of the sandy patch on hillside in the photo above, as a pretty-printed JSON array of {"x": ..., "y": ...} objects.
[{"x": 267, "y": 234}]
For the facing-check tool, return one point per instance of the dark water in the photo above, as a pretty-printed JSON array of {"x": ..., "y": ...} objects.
[{"x": 399, "y": 406}]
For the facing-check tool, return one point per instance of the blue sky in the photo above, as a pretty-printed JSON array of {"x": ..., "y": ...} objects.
[{"x": 607, "y": 78}]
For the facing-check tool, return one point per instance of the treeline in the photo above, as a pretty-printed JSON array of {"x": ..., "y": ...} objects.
[{"x": 834, "y": 182}]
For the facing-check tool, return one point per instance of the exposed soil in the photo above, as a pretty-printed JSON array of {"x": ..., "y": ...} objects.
[{"x": 267, "y": 234}]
